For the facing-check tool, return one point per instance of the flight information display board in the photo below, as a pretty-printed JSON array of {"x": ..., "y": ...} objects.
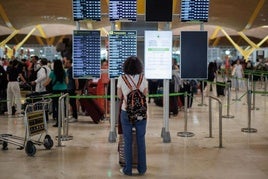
[
  {"x": 86, "y": 54},
  {"x": 87, "y": 10},
  {"x": 123, "y": 10},
  {"x": 122, "y": 44},
  {"x": 158, "y": 54},
  {"x": 194, "y": 54},
  {"x": 194, "y": 10},
  {"x": 158, "y": 10}
]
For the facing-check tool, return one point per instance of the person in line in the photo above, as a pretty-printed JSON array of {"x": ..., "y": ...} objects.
[
  {"x": 133, "y": 69},
  {"x": 33, "y": 69},
  {"x": 210, "y": 79},
  {"x": 59, "y": 79},
  {"x": 42, "y": 75},
  {"x": 238, "y": 74},
  {"x": 14, "y": 74},
  {"x": 72, "y": 87}
]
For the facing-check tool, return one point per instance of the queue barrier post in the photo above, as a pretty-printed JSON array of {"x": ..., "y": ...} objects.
[
  {"x": 202, "y": 95},
  {"x": 249, "y": 129},
  {"x": 63, "y": 119},
  {"x": 254, "y": 97},
  {"x": 220, "y": 119},
  {"x": 265, "y": 85},
  {"x": 228, "y": 101},
  {"x": 185, "y": 133}
]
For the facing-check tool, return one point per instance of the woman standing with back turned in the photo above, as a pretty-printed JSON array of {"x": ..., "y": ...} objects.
[
  {"x": 59, "y": 80},
  {"x": 132, "y": 69}
]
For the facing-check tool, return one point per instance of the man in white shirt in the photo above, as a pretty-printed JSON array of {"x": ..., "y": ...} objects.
[{"x": 42, "y": 75}]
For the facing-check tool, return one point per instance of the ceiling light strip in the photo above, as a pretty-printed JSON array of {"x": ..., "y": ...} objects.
[{"x": 254, "y": 14}]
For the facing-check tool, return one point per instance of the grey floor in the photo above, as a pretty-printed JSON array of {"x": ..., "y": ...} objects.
[{"x": 90, "y": 155}]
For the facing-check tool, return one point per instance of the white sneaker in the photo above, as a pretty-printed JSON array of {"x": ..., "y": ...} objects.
[
  {"x": 71, "y": 120},
  {"x": 121, "y": 171},
  {"x": 6, "y": 113},
  {"x": 19, "y": 115}
]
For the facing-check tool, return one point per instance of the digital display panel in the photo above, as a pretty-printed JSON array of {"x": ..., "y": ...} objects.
[
  {"x": 86, "y": 54},
  {"x": 194, "y": 10},
  {"x": 123, "y": 10},
  {"x": 159, "y": 10},
  {"x": 158, "y": 54},
  {"x": 86, "y": 10},
  {"x": 122, "y": 44},
  {"x": 194, "y": 54}
]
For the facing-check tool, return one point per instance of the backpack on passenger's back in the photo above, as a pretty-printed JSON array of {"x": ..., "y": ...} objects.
[{"x": 136, "y": 100}]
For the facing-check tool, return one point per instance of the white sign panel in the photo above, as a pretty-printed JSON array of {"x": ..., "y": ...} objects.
[{"x": 158, "y": 54}]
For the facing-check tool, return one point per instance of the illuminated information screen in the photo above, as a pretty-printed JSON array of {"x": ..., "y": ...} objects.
[
  {"x": 86, "y": 54},
  {"x": 194, "y": 10},
  {"x": 122, "y": 44},
  {"x": 87, "y": 10},
  {"x": 123, "y": 10},
  {"x": 158, "y": 54}
]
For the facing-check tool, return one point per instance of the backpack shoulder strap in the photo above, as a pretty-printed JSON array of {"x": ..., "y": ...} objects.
[
  {"x": 45, "y": 70},
  {"x": 140, "y": 80},
  {"x": 124, "y": 77}
]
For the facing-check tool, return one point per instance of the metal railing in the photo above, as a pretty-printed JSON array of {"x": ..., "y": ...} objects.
[
  {"x": 63, "y": 119},
  {"x": 220, "y": 119}
]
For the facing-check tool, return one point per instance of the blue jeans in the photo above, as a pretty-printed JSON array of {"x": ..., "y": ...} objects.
[{"x": 140, "y": 127}]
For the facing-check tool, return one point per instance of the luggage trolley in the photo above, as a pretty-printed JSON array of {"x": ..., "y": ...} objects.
[{"x": 36, "y": 125}]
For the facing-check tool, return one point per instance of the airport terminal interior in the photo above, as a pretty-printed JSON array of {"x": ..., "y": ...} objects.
[
  {"x": 91, "y": 155},
  {"x": 218, "y": 137}
]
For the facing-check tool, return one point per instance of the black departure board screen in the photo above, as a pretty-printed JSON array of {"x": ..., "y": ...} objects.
[
  {"x": 194, "y": 10},
  {"x": 87, "y": 10},
  {"x": 158, "y": 10},
  {"x": 86, "y": 54},
  {"x": 194, "y": 65},
  {"x": 122, "y": 44},
  {"x": 123, "y": 10}
]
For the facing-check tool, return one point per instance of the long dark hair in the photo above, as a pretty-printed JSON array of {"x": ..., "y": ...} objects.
[
  {"x": 59, "y": 71},
  {"x": 132, "y": 66}
]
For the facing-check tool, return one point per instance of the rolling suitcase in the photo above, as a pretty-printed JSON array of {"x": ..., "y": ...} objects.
[
  {"x": 92, "y": 109},
  {"x": 122, "y": 153},
  {"x": 220, "y": 87},
  {"x": 121, "y": 144}
]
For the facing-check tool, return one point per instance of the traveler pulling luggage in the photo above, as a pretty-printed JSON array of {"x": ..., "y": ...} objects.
[{"x": 91, "y": 107}]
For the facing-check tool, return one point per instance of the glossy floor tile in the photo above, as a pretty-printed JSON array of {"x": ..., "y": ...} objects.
[{"x": 90, "y": 155}]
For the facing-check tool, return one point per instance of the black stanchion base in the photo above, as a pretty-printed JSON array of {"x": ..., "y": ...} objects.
[
  {"x": 255, "y": 108},
  {"x": 65, "y": 138},
  {"x": 249, "y": 130},
  {"x": 228, "y": 116},
  {"x": 236, "y": 99},
  {"x": 202, "y": 105},
  {"x": 185, "y": 134}
]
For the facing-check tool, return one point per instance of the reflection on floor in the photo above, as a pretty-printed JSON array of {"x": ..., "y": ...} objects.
[{"x": 90, "y": 155}]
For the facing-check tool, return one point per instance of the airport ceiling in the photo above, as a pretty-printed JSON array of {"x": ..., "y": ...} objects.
[{"x": 52, "y": 19}]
